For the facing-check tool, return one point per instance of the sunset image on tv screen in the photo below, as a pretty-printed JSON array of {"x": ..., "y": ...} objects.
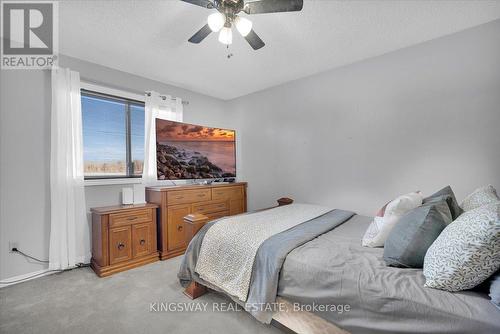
[{"x": 187, "y": 151}]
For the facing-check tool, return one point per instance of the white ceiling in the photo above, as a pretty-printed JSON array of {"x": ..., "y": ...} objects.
[{"x": 149, "y": 38}]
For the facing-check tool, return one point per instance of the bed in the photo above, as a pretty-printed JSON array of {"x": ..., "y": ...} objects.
[{"x": 318, "y": 267}]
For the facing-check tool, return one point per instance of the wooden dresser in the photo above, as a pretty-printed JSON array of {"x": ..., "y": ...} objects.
[
  {"x": 214, "y": 201},
  {"x": 123, "y": 237}
]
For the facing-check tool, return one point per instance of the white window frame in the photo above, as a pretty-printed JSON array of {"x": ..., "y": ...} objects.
[
  {"x": 119, "y": 93},
  {"x": 112, "y": 91}
]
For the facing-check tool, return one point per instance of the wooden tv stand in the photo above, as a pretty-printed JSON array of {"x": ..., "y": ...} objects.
[{"x": 214, "y": 200}]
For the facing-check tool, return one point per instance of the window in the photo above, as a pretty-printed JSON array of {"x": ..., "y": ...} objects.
[{"x": 113, "y": 136}]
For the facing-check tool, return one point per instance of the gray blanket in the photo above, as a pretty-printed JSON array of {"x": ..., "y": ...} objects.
[
  {"x": 330, "y": 267},
  {"x": 272, "y": 253},
  {"x": 335, "y": 269}
]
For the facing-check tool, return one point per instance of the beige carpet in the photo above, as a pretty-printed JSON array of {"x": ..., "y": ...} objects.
[{"x": 80, "y": 302}]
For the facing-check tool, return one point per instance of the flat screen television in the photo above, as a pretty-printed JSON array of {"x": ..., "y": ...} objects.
[{"x": 187, "y": 151}]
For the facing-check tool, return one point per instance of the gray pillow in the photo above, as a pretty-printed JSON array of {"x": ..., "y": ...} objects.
[
  {"x": 445, "y": 194},
  {"x": 414, "y": 234},
  {"x": 495, "y": 290}
]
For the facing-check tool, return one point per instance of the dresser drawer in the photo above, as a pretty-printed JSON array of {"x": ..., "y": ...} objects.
[
  {"x": 188, "y": 196},
  {"x": 131, "y": 217},
  {"x": 224, "y": 193},
  {"x": 210, "y": 207},
  {"x": 217, "y": 215}
]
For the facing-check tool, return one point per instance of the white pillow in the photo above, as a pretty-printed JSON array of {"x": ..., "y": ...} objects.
[
  {"x": 379, "y": 229},
  {"x": 480, "y": 197},
  {"x": 402, "y": 204},
  {"x": 467, "y": 252}
]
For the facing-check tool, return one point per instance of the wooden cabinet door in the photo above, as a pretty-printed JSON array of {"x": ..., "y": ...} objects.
[
  {"x": 176, "y": 237},
  {"x": 236, "y": 206},
  {"x": 141, "y": 239},
  {"x": 120, "y": 244}
]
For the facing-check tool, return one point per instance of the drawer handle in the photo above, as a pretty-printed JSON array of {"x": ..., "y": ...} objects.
[
  {"x": 179, "y": 228},
  {"x": 131, "y": 218},
  {"x": 121, "y": 245},
  {"x": 179, "y": 197},
  {"x": 142, "y": 242},
  {"x": 220, "y": 193},
  {"x": 201, "y": 195}
]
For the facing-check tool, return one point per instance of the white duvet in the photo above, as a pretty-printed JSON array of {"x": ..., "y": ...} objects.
[{"x": 229, "y": 247}]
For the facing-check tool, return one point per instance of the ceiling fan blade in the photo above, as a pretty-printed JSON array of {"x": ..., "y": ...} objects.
[
  {"x": 254, "y": 40},
  {"x": 201, "y": 3},
  {"x": 272, "y": 6},
  {"x": 200, "y": 34}
]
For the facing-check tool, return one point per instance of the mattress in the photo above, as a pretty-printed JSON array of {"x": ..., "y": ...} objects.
[{"x": 335, "y": 270}]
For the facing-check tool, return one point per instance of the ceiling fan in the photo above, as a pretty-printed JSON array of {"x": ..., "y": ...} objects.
[{"x": 227, "y": 16}]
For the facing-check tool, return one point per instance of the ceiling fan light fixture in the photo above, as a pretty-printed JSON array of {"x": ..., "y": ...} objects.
[
  {"x": 216, "y": 21},
  {"x": 243, "y": 25},
  {"x": 226, "y": 36}
]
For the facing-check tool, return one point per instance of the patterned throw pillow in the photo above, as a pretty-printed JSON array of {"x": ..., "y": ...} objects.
[
  {"x": 467, "y": 252},
  {"x": 480, "y": 197}
]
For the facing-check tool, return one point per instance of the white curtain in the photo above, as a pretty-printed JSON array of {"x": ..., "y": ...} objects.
[
  {"x": 156, "y": 106},
  {"x": 69, "y": 229}
]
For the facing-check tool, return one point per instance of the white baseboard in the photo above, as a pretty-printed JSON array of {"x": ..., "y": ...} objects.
[{"x": 25, "y": 277}]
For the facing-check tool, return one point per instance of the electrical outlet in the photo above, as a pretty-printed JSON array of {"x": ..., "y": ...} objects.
[{"x": 12, "y": 244}]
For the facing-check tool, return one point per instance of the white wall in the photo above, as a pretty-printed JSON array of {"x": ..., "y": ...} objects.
[
  {"x": 24, "y": 168},
  {"x": 352, "y": 138},
  {"x": 355, "y": 137}
]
